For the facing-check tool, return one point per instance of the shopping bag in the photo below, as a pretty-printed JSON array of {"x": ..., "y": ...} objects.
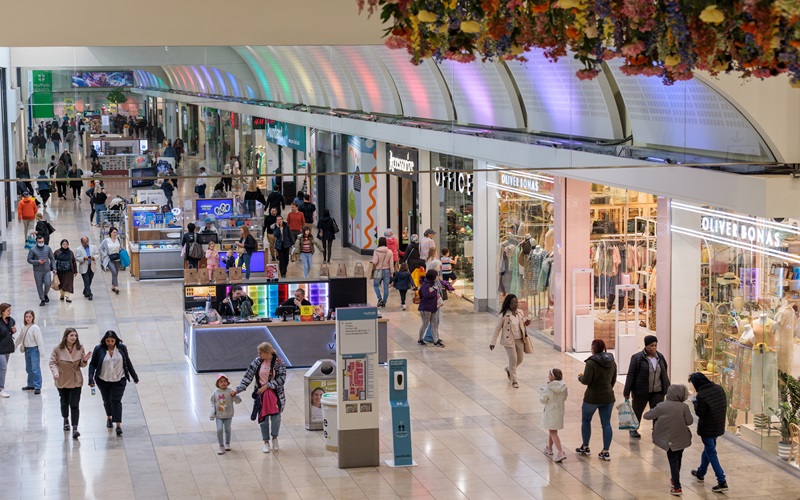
[
  {"x": 627, "y": 419},
  {"x": 235, "y": 274},
  {"x": 219, "y": 275},
  {"x": 124, "y": 258},
  {"x": 30, "y": 242},
  {"x": 55, "y": 284}
]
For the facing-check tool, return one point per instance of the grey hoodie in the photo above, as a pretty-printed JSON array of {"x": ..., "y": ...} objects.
[
  {"x": 36, "y": 254},
  {"x": 222, "y": 403}
]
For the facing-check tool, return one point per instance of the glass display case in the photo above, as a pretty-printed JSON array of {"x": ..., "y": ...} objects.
[{"x": 160, "y": 253}]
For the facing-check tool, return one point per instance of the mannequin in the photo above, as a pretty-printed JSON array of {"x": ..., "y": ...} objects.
[
  {"x": 550, "y": 240},
  {"x": 764, "y": 331},
  {"x": 785, "y": 320}
]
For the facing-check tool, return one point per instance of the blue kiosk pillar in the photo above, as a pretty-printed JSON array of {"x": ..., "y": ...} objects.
[{"x": 401, "y": 415}]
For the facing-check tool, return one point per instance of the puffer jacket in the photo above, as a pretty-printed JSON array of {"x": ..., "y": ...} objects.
[
  {"x": 672, "y": 420},
  {"x": 599, "y": 377},
  {"x": 6, "y": 337},
  {"x": 710, "y": 406},
  {"x": 638, "y": 378},
  {"x": 428, "y": 295},
  {"x": 276, "y": 384}
]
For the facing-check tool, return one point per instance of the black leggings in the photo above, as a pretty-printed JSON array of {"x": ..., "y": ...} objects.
[
  {"x": 403, "y": 296},
  {"x": 327, "y": 249},
  {"x": 70, "y": 404},
  {"x": 76, "y": 192}
]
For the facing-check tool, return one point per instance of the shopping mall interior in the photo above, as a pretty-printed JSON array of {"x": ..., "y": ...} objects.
[{"x": 617, "y": 196}]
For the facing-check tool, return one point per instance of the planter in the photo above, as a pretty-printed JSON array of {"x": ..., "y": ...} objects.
[{"x": 783, "y": 450}]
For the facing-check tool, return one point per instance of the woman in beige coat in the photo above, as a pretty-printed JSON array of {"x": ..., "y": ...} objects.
[
  {"x": 512, "y": 332},
  {"x": 66, "y": 361}
]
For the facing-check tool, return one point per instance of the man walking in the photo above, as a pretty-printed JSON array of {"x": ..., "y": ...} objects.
[
  {"x": 426, "y": 243},
  {"x": 200, "y": 183},
  {"x": 44, "y": 265},
  {"x": 26, "y": 212},
  {"x": 296, "y": 221},
  {"x": 269, "y": 222},
  {"x": 284, "y": 240},
  {"x": 647, "y": 379},
  {"x": 86, "y": 256},
  {"x": 308, "y": 211},
  {"x": 710, "y": 405},
  {"x": 275, "y": 200}
]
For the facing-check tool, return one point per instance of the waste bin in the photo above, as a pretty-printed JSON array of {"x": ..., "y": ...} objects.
[
  {"x": 330, "y": 421},
  {"x": 318, "y": 380}
]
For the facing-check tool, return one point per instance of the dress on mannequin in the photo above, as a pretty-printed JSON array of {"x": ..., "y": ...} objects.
[
  {"x": 550, "y": 240},
  {"x": 785, "y": 322},
  {"x": 740, "y": 396},
  {"x": 764, "y": 380}
]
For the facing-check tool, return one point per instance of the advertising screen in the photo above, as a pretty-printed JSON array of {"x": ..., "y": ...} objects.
[
  {"x": 267, "y": 298},
  {"x": 102, "y": 79},
  {"x": 220, "y": 208}
]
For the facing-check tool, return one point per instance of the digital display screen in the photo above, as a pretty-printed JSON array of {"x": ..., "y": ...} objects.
[
  {"x": 267, "y": 297},
  {"x": 219, "y": 208},
  {"x": 102, "y": 79},
  {"x": 256, "y": 261}
]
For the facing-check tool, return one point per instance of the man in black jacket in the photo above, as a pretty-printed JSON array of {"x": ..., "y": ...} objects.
[
  {"x": 710, "y": 405},
  {"x": 647, "y": 379},
  {"x": 284, "y": 240},
  {"x": 275, "y": 200},
  {"x": 308, "y": 211}
]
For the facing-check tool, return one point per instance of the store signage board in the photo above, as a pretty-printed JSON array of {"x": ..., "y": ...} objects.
[
  {"x": 217, "y": 208},
  {"x": 286, "y": 134},
  {"x": 454, "y": 180},
  {"x": 515, "y": 181},
  {"x": 357, "y": 330},
  {"x": 402, "y": 162},
  {"x": 259, "y": 123},
  {"x": 754, "y": 234}
]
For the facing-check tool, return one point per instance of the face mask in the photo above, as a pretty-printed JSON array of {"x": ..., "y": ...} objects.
[{"x": 40, "y": 245}]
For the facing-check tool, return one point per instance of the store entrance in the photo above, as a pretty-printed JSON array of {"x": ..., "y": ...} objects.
[{"x": 405, "y": 226}]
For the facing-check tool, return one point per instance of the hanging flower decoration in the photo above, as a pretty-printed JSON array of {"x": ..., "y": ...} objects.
[{"x": 669, "y": 39}]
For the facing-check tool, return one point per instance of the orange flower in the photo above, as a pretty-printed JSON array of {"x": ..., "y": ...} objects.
[
  {"x": 538, "y": 9},
  {"x": 572, "y": 33},
  {"x": 750, "y": 28}
]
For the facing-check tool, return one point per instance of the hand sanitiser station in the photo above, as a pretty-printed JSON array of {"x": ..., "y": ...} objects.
[{"x": 401, "y": 415}]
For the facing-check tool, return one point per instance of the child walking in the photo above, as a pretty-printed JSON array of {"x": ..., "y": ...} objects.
[
  {"x": 402, "y": 281},
  {"x": 447, "y": 266},
  {"x": 671, "y": 432},
  {"x": 222, "y": 410},
  {"x": 552, "y": 395},
  {"x": 212, "y": 259}
]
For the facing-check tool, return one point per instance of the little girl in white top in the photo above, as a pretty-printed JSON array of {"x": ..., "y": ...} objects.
[
  {"x": 553, "y": 395},
  {"x": 29, "y": 340}
]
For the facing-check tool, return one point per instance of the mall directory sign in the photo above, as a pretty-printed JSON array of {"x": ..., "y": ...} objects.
[{"x": 216, "y": 208}]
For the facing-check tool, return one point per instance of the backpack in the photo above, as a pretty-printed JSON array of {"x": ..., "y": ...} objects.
[{"x": 195, "y": 250}]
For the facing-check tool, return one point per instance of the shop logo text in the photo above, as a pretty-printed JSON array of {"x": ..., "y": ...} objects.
[
  {"x": 519, "y": 182},
  {"x": 454, "y": 181},
  {"x": 402, "y": 164},
  {"x": 743, "y": 232}
]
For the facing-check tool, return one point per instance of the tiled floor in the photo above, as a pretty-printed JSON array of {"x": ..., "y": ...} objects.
[{"x": 474, "y": 436}]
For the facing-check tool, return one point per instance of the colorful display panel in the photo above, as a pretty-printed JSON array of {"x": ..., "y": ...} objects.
[
  {"x": 102, "y": 79},
  {"x": 267, "y": 297}
]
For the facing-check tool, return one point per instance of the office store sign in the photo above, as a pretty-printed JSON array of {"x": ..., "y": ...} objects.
[
  {"x": 403, "y": 161},
  {"x": 454, "y": 180}
]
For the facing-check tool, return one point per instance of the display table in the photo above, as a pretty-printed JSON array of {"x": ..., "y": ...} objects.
[{"x": 231, "y": 347}]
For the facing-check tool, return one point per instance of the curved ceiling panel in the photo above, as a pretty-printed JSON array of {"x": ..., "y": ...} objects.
[
  {"x": 311, "y": 91},
  {"x": 685, "y": 115},
  {"x": 419, "y": 92},
  {"x": 480, "y": 95},
  {"x": 333, "y": 75},
  {"x": 555, "y": 101},
  {"x": 378, "y": 95},
  {"x": 207, "y": 80},
  {"x": 279, "y": 75}
]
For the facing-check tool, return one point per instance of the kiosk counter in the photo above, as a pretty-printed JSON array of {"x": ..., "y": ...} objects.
[{"x": 231, "y": 345}]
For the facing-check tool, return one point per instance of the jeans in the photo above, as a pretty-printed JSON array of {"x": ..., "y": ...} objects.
[
  {"x": 87, "y": 277},
  {"x": 112, "y": 397},
  {"x": 587, "y": 412},
  {"x": 386, "y": 275},
  {"x": 113, "y": 266},
  {"x": 515, "y": 356},
  {"x": 641, "y": 401},
  {"x": 42, "y": 280},
  {"x": 224, "y": 424},
  {"x": 709, "y": 456},
  {"x": 99, "y": 209},
  {"x": 200, "y": 190},
  {"x": 70, "y": 404},
  {"x": 32, "y": 367},
  {"x": 251, "y": 207},
  {"x": 306, "y": 257},
  {"x": 675, "y": 458},
  {"x": 244, "y": 261},
  {"x": 429, "y": 318},
  {"x": 3, "y": 369},
  {"x": 271, "y": 420},
  {"x": 56, "y": 146}
]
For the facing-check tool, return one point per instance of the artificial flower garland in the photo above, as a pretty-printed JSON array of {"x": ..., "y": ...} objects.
[{"x": 665, "y": 38}]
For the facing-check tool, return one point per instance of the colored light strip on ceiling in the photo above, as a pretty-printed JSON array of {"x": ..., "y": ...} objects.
[
  {"x": 277, "y": 70},
  {"x": 199, "y": 78},
  {"x": 329, "y": 76},
  {"x": 312, "y": 92},
  {"x": 211, "y": 82},
  {"x": 255, "y": 66},
  {"x": 234, "y": 84},
  {"x": 364, "y": 73},
  {"x": 410, "y": 77},
  {"x": 221, "y": 80},
  {"x": 470, "y": 81}
]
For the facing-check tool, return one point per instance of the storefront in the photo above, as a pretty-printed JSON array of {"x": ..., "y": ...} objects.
[
  {"x": 402, "y": 191},
  {"x": 740, "y": 325},
  {"x": 452, "y": 216},
  {"x": 277, "y": 155}
]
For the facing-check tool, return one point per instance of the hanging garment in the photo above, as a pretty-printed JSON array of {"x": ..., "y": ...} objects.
[
  {"x": 785, "y": 327},
  {"x": 740, "y": 397},
  {"x": 516, "y": 289},
  {"x": 544, "y": 276},
  {"x": 764, "y": 380}
]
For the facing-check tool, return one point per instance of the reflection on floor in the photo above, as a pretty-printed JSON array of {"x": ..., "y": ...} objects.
[{"x": 474, "y": 435}]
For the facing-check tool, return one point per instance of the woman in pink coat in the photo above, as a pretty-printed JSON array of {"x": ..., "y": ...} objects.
[{"x": 393, "y": 245}]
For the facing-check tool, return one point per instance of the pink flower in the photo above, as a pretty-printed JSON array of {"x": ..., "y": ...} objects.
[
  {"x": 462, "y": 57},
  {"x": 632, "y": 49},
  {"x": 587, "y": 74},
  {"x": 395, "y": 42}
]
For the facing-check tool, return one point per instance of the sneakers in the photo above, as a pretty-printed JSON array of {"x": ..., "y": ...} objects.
[
  {"x": 37, "y": 391},
  {"x": 275, "y": 444},
  {"x": 4, "y": 394},
  {"x": 265, "y": 449},
  {"x": 228, "y": 447},
  {"x": 403, "y": 307},
  {"x": 635, "y": 434},
  {"x": 119, "y": 431},
  {"x": 583, "y": 450},
  {"x": 548, "y": 451},
  {"x": 421, "y": 342},
  {"x": 221, "y": 451},
  {"x": 676, "y": 492},
  {"x": 698, "y": 476},
  {"x": 721, "y": 487},
  {"x": 439, "y": 343},
  {"x": 604, "y": 455},
  {"x": 42, "y": 303},
  {"x": 27, "y": 388},
  {"x": 559, "y": 457},
  {"x": 109, "y": 424}
]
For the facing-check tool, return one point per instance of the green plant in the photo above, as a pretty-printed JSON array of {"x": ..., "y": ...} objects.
[
  {"x": 786, "y": 416},
  {"x": 116, "y": 96},
  {"x": 790, "y": 391}
]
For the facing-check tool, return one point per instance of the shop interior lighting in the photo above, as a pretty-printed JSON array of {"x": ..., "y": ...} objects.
[
  {"x": 529, "y": 194},
  {"x": 737, "y": 244},
  {"x": 754, "y": 221}
]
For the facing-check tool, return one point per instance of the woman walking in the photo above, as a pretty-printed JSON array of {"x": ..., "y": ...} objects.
[
  {"x": 326, "y": 232},
  {"x": 382, "y": 265},
  {"x": 75, "y": 182},
  {"x": 269, "y": 373},
  {"x": 429, "y": 307},
  {"x": 511, "y": 323},
  {"x": 7, "y": 331},
  {"x": 246, "y": 246},
  {"x": 411, "y": 255},
  {"x": 109, "y": 252},
  {"x": 66, "y": 361},
  {"x": 111, "y": 369},
  {"x": 305, "y": 247},
  {"x": 66, "y": 269},
  {"x": 253, "y": 195},
  {"x": 671, "y": 430},
  {"x": 599, "y": 377},
  {"x": 29, "y": 342}
]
